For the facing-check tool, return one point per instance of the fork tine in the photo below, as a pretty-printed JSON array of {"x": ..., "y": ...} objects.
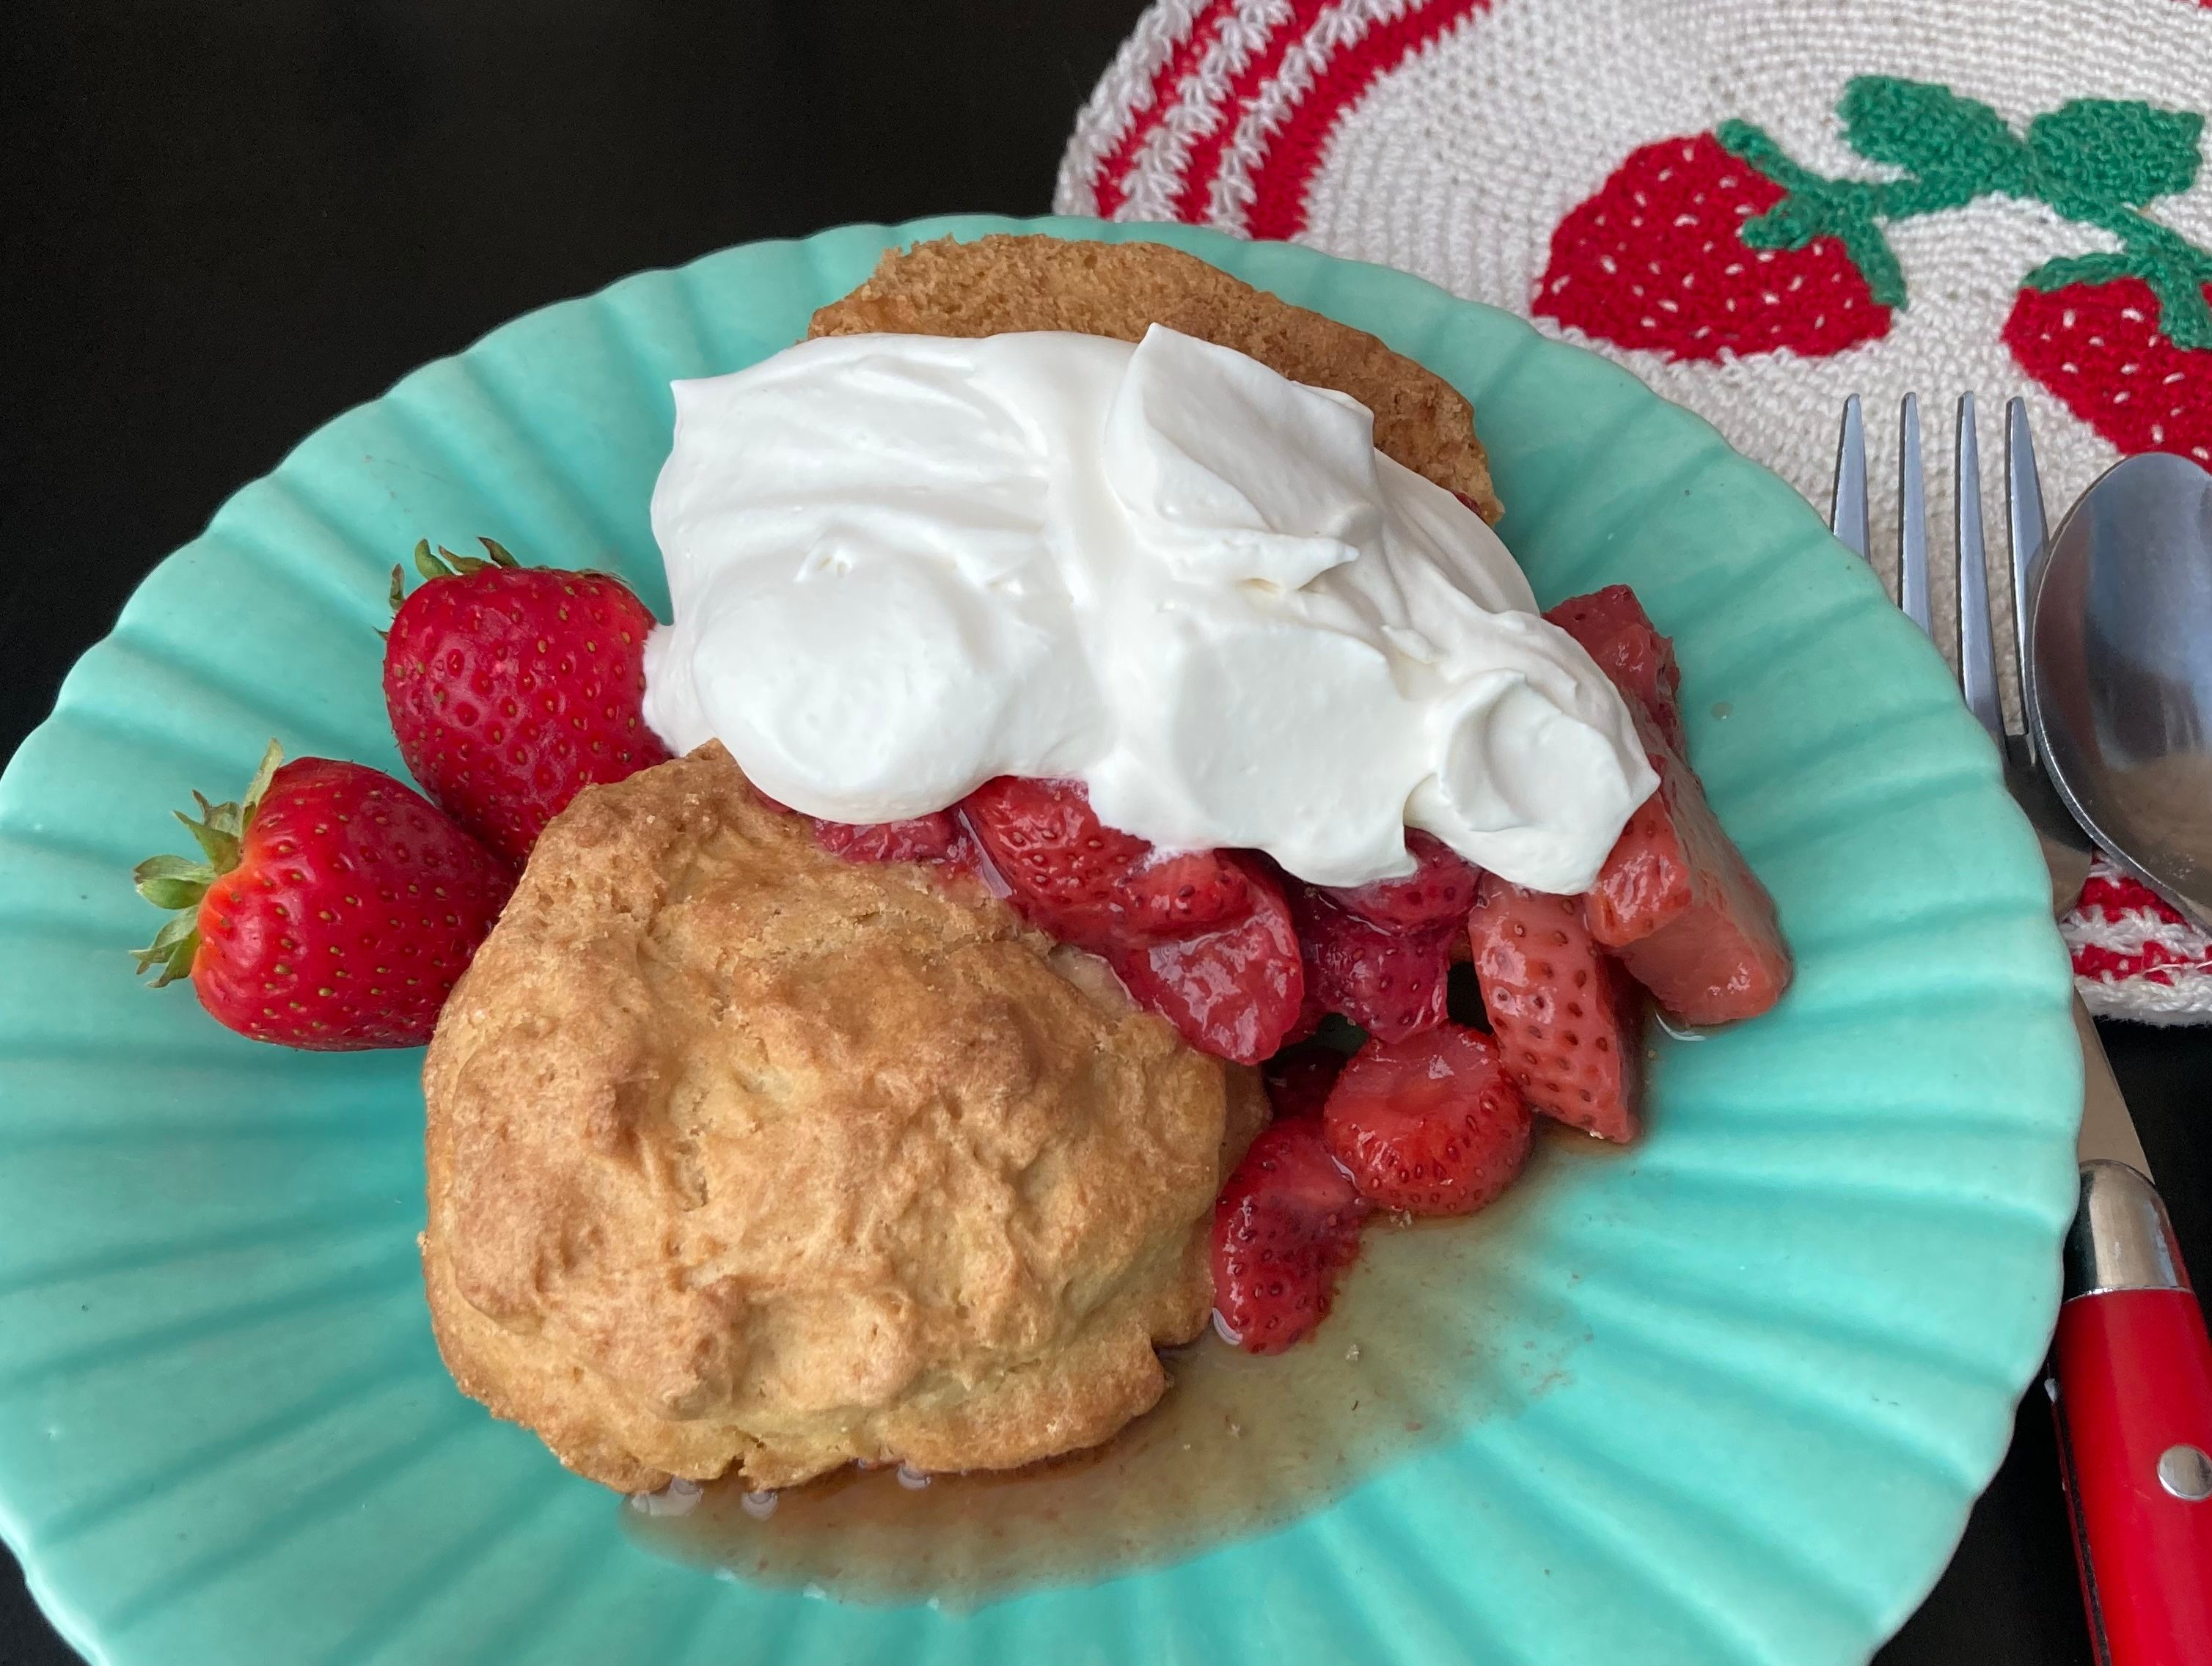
[
  {"x": 1912, "y": 517},
  {"x": 2023, "y": 515},
  {"x": 1978, "y": 666},
  {"x": 1848, "y": 518}
]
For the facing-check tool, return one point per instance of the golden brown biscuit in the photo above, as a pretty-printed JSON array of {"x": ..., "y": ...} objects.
[
  {"x": 744, "y": 1156},
  {"x": 1002, "y": 283}
]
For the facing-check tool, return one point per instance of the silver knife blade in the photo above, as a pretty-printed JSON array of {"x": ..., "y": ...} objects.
[{"x": 2107, "y": 1129}]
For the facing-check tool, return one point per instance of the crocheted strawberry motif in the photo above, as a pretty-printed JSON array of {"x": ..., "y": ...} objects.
[
  {"x": 1656, "y": 260},
  {"x": 2122, "y": 338},
  {"x": 1720, "y": 246},
  {"x": 2097, "y": 348}
]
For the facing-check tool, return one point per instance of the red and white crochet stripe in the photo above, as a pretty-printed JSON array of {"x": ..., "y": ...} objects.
[{"x": 1758, "y": 206}]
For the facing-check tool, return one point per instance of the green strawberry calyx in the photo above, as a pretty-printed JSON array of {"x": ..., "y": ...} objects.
[
  {"x": 178, "y": 883},
  {"x": 2098, "y": 162},
  {"x": 445, "y": 564}
]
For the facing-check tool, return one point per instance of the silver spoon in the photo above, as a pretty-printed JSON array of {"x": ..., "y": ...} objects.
[{"x": 2120, "y": 672}]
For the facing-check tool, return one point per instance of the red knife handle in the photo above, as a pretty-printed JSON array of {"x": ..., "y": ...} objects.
[{"x": 2133, "y": 1398}]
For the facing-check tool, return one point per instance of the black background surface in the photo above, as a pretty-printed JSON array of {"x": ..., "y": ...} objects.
[{"x": 224, "y": 224}]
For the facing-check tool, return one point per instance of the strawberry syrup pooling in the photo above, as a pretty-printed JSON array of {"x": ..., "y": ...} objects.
[{"x": 1429, "y": 1335}]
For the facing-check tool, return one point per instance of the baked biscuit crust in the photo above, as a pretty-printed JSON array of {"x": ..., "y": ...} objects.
[
  {"x": 1001, "y": 283},
  {"x": 744, "y": 1156}
]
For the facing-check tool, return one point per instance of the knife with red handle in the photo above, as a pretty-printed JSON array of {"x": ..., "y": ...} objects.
[{"x": 2131, "y": 1389}]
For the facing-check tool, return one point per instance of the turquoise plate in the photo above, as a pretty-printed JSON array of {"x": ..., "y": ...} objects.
[{"x": 1802, "y": 1311}]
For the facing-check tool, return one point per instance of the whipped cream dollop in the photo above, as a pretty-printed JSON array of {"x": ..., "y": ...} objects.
[{"x": 902, "y": 565}]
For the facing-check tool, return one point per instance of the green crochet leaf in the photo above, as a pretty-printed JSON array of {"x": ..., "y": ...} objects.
[
  {"x": 2109, "y": 151},
  {"x": 1957, "y": 146}
]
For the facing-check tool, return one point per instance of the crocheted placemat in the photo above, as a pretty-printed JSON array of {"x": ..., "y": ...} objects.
[{"x": 1760, "y": 207}]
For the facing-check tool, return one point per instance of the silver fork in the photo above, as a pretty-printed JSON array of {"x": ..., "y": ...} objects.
[{"x": 2065, "y": 846}]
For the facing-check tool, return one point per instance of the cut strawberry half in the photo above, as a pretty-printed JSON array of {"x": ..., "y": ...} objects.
[
  {"x": 1235, "y": 993},
  {"x": 1432, "y": 1125},
  {"x": 1390, "y": 983},
  {"x": 1567, "y": 1019},
  {"x": 1679, "y": 904},
  {"x": 1284, "y": 1228},
  {"x": 1438, "y": 893},
  {"x": 1614, "y": 631}
]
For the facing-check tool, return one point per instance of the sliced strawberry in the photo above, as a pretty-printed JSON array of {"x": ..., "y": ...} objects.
[
  {"x": 1234, "y": 993},
  {"x": 1286, "y": 1225},
  {"x": 1048, "y": 843},
  {"x": 1722, "y": 961},
  {"x": 918, "y": 838},
  {"x": 1432, "y": 1125},
  {"x": 1436, "y": 893},
  {"x": 1678, "y": 902},
  {"x": 1676, "y": 898},
  {"x": 1649, "y": 878},
  {"x": 1390, "y": 983},
  {"x": 1180, "y": 895},
  {"x": 1064, "y": 865},
  {"x": 1614, "y": 630},
  {"x": 1298, "y": 1079},
  {"x": 1567, "y": 1019}
]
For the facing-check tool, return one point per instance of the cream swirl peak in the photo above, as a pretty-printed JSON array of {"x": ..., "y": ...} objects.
[{"x": 902, "y": 565}]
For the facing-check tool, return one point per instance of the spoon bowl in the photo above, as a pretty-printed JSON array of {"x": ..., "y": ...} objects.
[{"x": 2119, "y": 676}]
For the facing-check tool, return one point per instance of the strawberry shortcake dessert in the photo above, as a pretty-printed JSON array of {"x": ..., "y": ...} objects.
[{"x": 1128, "y": 832}]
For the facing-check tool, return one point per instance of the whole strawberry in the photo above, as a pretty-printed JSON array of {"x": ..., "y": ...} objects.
[
  {"x": 511, "y": 688},
  {"x": 1656, "y": 260},
  {"x": 331, "y": 908}
]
